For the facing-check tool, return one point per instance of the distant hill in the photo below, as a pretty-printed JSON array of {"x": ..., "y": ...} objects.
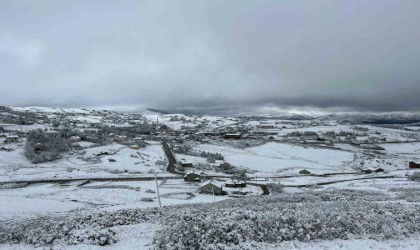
[
  {"x": 376, "y": 118},
  {"x": 161, "y": 112}
]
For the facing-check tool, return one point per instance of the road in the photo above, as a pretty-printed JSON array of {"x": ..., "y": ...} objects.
[
  {"x": 99, "y": 179},
  {"x": 171, "y": 159}
]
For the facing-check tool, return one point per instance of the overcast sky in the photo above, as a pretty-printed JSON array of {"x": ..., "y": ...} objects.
[{"x": 359, "y": 55}]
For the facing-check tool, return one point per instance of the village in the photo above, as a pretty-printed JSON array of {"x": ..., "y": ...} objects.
[{"x": 80, "y": 159}]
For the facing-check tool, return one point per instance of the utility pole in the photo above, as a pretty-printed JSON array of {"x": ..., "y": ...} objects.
[{"x": 157, "y": 189}]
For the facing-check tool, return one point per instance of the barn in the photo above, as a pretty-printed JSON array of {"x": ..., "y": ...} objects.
[
  {"x": 12, "y": 138},
  {"x": 212, "y": 187},
  {"x": 413, "y": 165},
  {"x": 192, "y": 177}
]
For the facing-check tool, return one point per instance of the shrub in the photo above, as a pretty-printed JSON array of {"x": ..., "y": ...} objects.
[
  {"x": 275, "y": 188},
  {"x": 204, "y": 166},
  {"x": 41, "y": 146},
  {"x": 81, "y": 228},
  {"x": 287, "y": 217},
  {"x": 415, "y": 176},
  {"x": 211, "y": 159}
]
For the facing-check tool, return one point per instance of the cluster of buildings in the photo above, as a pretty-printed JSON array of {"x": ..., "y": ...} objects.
[{"x": 213, "y": 186}]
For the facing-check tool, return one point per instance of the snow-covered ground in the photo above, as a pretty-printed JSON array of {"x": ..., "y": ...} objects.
[
  {"x": 286, "y": 158},
  {"x": 14, "y": 165},
  {"x": 21, "y": 207},
  {"x": 336, "y": 168}
]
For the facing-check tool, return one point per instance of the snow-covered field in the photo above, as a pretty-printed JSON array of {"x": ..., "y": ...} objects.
[
  {"x": 286, "y": 158},
  {"x": 14, "y": 166}
]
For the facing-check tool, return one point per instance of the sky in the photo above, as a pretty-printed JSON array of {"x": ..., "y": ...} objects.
[{"x": 337, "y": 54}]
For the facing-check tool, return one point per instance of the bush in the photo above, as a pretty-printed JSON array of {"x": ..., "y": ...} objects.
[
  {"x": 42, "y": 147},
  {"x": 83, "y": 228},
  {"x": 204, "y": 166},
  {"x": 160, "y": 162},
  {"x": 415, "y": 176},
  {"x": 285, "y": 217},
  {"x": 211, "y": 159},
  {"x": 275, "y": 188},
  {"x": 212, "y": 156}
]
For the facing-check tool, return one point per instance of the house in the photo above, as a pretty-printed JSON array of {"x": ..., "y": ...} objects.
[
  {"x": 12, "y": 138},
  {"x": 120, "y": 138},
  {"x": 235, "y": 136},
  {"x": 235, "y": 184},
  {"x": 186, "y": 164},
  {"x": 266, "y": 126},
  {"x": 212, "y": 187},
  {"x": 75, "y": 138},
  {"x": 370, "y": 171},
  {"x": 413, "y": 165},
  {"x": 191, "y": 176},
  {"x": 135, "y": 147},
  {"x": 138, "y": 144},
  {"x": 371, "y": 146},
  {"x": 238, "y": 193},
  {"x": 210, "y": 133},
  {"x": 304, "y": 172},
  {"x": 379, "y": 170}
]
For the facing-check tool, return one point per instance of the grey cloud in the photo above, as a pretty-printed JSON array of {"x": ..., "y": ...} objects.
[{"x": 360, "y": 55}]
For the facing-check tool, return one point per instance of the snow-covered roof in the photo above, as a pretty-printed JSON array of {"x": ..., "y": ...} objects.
[
  {"x": 231, "y": 181},
  {"x": 190, "y": 172},
  {"x": 212, "y": 182}
]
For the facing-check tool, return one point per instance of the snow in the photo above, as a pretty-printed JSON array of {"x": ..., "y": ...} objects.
[
  {"x": 138, "y": 236},
  {"x": 277, "y": 161},
  {"x": 354, "y": 244},
  {"x": 402, "y": 148},
  {"x": 51, "y": 110},
  {"x": 14, "y": 166},
  {"x": 15, "y": 207},
  {"x": 24, "y": 128},
  {"x": 213, "y": 182},
  {"x": 286, "y": 158}
]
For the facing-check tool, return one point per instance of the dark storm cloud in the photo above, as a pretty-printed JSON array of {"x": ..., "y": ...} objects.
[{"x": 360, "y": 55}]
